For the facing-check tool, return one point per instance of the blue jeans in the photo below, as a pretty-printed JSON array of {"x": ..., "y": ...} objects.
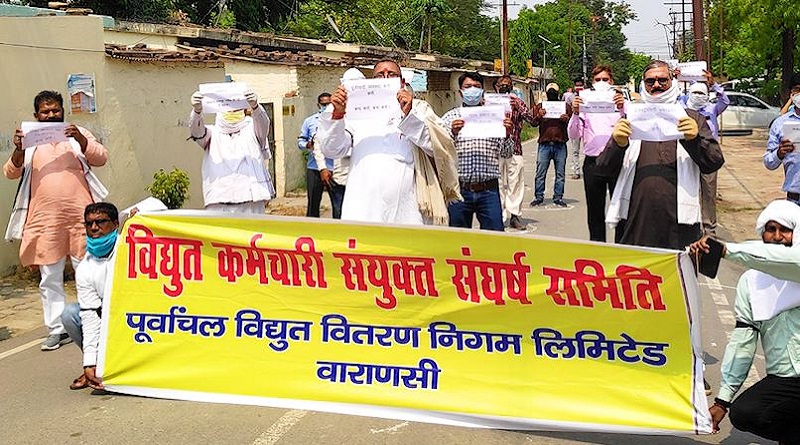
[
  {"x": 71, "y": 318},
  {"x": 557, "y": 151},
  {"x": 485, "y": 205}
]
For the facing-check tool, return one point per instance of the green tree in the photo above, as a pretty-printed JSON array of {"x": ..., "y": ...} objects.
[
  {"x": 140, "y": 10},
  {"x": 636, "y": 67}
]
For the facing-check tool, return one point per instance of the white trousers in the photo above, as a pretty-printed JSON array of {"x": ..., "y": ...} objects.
[
  {"x": 249, "y": 208},
  {"x": 53, "y": 296},
  {"x": 512, "y": 185}
]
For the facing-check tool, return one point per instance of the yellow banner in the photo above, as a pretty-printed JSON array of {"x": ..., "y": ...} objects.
[{"x": 440, "y": 325}]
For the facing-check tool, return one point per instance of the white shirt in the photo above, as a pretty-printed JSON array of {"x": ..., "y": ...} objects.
[
  {"x": 90, "y": 280},
  {"x": 234, "y": 164},
  {"x": 380, "y": 186}
]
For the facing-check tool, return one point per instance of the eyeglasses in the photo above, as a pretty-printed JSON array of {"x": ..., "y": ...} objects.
[
  {"x": 650, "y": 81},
  {"x": 99, "y": 222}
]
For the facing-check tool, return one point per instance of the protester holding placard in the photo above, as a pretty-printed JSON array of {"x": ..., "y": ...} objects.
[
  {"x": 594, "y": 129},
  {"x": 698, "y": 99},
  {"x": 318, "y": 168},
  {"x": 767, "y": 307},
  {"x": 375, "y": 123},
  {"x": 57, "y": 183},
  {"x": 478, "y": 156},
  {"x": 781, "y": 145},
  {"x": 656, "y": 198},
  {"x": 512, "y": 172},
  {"x": 236, "y": 149},
  {"x": 551, "y": 118}
]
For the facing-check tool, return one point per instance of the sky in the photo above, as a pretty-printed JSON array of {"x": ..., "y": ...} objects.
[{"x": 644, "y": 35}]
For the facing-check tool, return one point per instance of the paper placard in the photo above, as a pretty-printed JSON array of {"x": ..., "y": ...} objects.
[
  {"x": 692, "y": 71},
  {"x": 40, "y": 133},
  {"x": 554, "y": 109},
  {"x": 225, "y": 96},
  {"x": 598, "y": 101},
  {"x": 672, "y": 63},
  {"x": 655, "y": 122},
  {"x": 370, "y": 99},
  {"x": 498, "y": 99},
  {"x": 483, "y": 122},
  {"x": 791, "y": 131}
]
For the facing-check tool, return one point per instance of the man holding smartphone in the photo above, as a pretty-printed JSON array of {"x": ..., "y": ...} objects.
[{"x": 767, "y": 306}]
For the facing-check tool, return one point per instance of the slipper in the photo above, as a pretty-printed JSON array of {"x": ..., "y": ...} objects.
[{"x": 79, "y": 383}]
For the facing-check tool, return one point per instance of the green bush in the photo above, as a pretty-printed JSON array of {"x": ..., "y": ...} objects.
[{"x": 171, "y": 188}]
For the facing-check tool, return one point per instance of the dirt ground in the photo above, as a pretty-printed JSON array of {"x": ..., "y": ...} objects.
[{"x": 745, "y": 186}]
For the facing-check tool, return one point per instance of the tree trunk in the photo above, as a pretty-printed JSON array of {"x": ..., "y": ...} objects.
[{"x": 787, "y": 57}]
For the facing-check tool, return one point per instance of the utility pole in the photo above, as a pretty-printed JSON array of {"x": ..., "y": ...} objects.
[
  {"x": 504, "y": 36},
  {"x": 584, "y": 60},
  {"x": 698, "y": 30}
]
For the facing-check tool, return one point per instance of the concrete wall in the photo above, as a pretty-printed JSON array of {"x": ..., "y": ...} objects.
[{"x": 142, "y": 107}]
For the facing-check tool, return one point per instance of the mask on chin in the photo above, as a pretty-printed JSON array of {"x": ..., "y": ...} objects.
[{"x": 100, "y": 247}]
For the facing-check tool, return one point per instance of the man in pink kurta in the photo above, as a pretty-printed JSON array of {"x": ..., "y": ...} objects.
[{"x": 54, "y": 181}]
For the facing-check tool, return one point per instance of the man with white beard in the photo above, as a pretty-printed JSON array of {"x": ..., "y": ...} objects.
[{"x": 656, "y": 198}]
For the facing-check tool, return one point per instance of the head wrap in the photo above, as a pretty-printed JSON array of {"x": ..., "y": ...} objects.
[
  {"x": 229, "y": 128},
  {"x": 783, "y": 212}
]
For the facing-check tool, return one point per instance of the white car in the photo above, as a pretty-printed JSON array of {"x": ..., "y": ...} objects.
[{"x": 746, "y": 112}]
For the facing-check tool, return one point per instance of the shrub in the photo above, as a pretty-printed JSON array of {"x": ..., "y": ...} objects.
[{"x": 171, "y": 188}]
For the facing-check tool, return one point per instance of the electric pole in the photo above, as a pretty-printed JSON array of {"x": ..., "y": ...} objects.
[
  {"x": 698, "y": 31},
  {"x": 504, "y": 36}
]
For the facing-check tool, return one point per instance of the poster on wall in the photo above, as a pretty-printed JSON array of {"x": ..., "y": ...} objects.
[{"x": 81, "y": 91}]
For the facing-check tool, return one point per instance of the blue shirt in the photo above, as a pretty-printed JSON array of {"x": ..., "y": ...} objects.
[
  {"x": 791, "y": 162},
  {"x": 307, "y": 132},
  {"x": 712, "y": 110}
]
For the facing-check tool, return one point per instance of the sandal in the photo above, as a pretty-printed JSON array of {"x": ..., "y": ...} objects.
[{"x": 79, "y": 383}]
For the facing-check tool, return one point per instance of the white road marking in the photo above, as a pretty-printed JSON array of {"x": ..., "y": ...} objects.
[
  {"x": 21, "y": 348},
  {"x": 281, "y": 426},
  {"x": 390, "y": 430},
  {"x": 720, "y": 299},
  {"x": 727, "y": 317}
]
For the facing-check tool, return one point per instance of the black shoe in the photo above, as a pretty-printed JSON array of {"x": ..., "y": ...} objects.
[
  {"x": 707, "y": 387},
  {"x": 559, "y": 202},
  {"x": 516, "y": 223},
  {"x": 537, "y": 202}
]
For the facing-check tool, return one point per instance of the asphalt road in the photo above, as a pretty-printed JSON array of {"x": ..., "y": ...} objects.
[{"x": 37, "y": 408}]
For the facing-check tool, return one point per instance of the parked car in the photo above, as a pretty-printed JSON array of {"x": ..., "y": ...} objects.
[{"x": 746, "y": 112}]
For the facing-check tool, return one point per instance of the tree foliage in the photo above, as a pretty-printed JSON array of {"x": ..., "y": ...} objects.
[
  {"x": 172, "y": 188},
  {"x": 756, "y": 38},
  {"x": 599, "y": 21}
]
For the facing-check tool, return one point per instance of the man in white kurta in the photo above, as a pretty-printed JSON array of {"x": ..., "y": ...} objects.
[
  {"x": 235, "y": 176},
  {"x": 380, "y": 186}
]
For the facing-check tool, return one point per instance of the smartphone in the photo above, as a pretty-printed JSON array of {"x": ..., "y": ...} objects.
[{"x": 709, "y": 262}]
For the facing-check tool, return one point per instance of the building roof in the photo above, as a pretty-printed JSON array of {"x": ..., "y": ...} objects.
[{"x": 142, "y": 53}]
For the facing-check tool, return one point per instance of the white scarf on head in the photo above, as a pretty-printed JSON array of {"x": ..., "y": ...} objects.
[
  {"x": 769, "y": 296},
  {"x": 688, "y": 190}
]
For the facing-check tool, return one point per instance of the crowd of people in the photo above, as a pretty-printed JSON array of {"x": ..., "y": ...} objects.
[{"x": 418, "y": 168}]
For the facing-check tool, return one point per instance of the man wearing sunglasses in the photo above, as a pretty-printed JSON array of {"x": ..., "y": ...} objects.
[
  {"x": 656, "y": 199},
  {"x": 82, "y": 319}
]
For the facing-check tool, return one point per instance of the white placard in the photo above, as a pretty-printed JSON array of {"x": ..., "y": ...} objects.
[
  {"x": 40, "y": 133},
  {"x": 598, "y": 101},
  {"x": 791, "y": 131},
  {"x": 672, "y": 63},
  {"x": 692, "y": 71},
  {"x": 655, "y": 122},
  {"x": 483, "y": 122},
  {"x": 371, "y": 99},
  {"x": 554, "y": 109},
  {"x": 225, "y": 96},
  {"x": 498, "y": 99}
]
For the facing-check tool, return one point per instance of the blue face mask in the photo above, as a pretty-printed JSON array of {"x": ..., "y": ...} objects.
[
  {"x": 472, "y": 96},
  {"x": 100, "y": 247}
]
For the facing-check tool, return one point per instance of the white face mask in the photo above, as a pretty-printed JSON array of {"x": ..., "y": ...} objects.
[
  {"x": 601, "y": 86},
  {"x": 796, "y": 102},
  {"x": 697, "y": 101}
]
